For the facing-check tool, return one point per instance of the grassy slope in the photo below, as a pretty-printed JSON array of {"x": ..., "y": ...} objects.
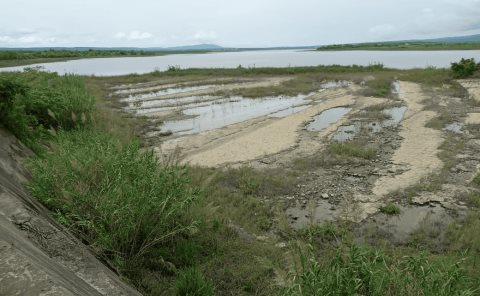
[
  {"x": 223, "y": 252},
  {"x": 403, "y": 46}
]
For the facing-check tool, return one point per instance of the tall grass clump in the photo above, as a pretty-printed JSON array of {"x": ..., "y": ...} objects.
[
  {"x": 191, "y": 282},
  {"x": 35, "y": 104},
  {"x": 118, "y": 199},
  {"x": 361, "y": 271}
]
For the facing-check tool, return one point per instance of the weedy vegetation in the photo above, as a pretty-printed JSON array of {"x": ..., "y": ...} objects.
[{"x": 171, "y": 229}]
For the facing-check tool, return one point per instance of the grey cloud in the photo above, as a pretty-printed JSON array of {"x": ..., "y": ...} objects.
[{"x": 230, "y": 23}]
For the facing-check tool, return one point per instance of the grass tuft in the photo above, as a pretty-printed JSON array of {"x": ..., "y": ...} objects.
[
  {"x": 390, "y": 209},
  {"x": 352, "y": 149},
  {"x": 191, "y": 282}
]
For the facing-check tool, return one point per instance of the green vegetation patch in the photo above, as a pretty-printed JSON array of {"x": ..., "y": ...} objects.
[
  {"x": 191, "y": 282},
  {"x": 362, "y": 271},
  {"x": 390, "y": 209},
  {"x": 33, "y": 105},
  {"x": 464, "y": 68},
  {"x": 352, "y": 149}
]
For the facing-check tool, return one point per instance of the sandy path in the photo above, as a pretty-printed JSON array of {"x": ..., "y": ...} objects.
[
  {"x": 419, "y": 149},
  {"x": 473, "y": 88}
]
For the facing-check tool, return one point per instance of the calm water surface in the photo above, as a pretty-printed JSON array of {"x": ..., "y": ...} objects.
[{"x": 266, "y": 58}]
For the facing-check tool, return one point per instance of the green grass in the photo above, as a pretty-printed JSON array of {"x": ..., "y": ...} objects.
[
  {"x": 121, "y": 201},
  {"x": 33, "y": 105},
  {"x": 390, "y": 209},
  {"x": 352, "y": 149},
  {"x": 363, "y": 271},
  {"x": 170, "y": 229},
  {"x": 191, "y": 282},
  {"x": 380, "y": 87},
  {"x": 403, "y": 46}
]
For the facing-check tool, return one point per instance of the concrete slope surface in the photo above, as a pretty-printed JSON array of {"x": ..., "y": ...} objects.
[{"x": 38, "y": 256}]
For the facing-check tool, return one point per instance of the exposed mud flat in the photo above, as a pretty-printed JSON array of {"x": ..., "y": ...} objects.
[{"x": 278, "y": 131}]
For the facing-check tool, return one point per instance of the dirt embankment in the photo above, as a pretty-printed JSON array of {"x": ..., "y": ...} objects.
[{"x": 38, "y": 256}]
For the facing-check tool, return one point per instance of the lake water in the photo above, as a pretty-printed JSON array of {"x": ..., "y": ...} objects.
[{"x": 266, "y": 58}]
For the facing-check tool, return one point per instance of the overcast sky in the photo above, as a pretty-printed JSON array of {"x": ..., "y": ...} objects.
[{"x": 244, "y": 23}]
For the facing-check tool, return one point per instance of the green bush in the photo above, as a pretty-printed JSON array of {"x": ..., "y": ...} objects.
[
  {"x": 390, "y": 209},
  {"x": 191, "y": 282},
  {"x": 465, "y": 68},
  {"x": 33, "y": 102},
  {"x": 122, "y": 201},
  {"x": 361, "y": 271}
]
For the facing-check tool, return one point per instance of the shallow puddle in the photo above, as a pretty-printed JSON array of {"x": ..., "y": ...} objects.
[
  {"x": 396, "y": 114},
  {"x": 411, "y": 218},
  {"x": 346, "y": 133},
  {"x": 301, "y": 216},
  {"x": 326, "y": 118},
  {"x": 455, "y": 127},
  {"x": 167, "y": 91},
  {"x": 233, "y": 110}
]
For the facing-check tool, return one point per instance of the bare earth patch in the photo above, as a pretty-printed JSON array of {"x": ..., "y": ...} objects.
[
  {"x": 472, "y": 86},
  {"x": 419, "y": 149},
  {"x": 472, "y": 118}
]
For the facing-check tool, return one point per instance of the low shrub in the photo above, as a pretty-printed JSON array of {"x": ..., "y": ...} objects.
[{"x": 465, "y": 68}]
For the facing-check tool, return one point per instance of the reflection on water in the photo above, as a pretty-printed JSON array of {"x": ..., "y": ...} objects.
[
  {"x": 224, "y": 112},
  {"x": 326, "y": 118},
  {"x": 348, "y": 132},
  {"x": 396, "y": 116},
  {"x": 269, "y": 58}
]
